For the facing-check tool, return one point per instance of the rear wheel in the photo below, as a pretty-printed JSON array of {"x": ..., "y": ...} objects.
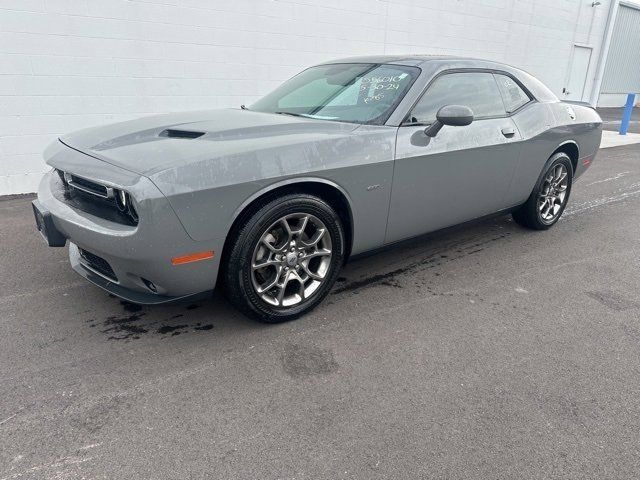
[
  {"x": 550, "y": 195},
  {"x": 285, "y": 258}
]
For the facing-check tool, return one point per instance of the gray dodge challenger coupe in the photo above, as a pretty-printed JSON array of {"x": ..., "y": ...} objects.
[{"x": 346, "y": 157}]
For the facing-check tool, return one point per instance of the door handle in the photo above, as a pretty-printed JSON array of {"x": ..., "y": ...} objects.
[{"x": 508, "y": 131}]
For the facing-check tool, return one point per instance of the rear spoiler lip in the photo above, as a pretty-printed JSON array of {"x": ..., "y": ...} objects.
[{"x": 576, "y": 102}]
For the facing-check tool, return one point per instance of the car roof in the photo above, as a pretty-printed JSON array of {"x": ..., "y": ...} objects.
[{"x": 412, "y": 60}]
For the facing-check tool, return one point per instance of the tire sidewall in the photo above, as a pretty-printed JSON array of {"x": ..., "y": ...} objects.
[{"x": 242, "y": 257}]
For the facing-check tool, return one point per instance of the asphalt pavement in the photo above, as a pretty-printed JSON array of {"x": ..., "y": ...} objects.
[{"x": 486, "y": 351}]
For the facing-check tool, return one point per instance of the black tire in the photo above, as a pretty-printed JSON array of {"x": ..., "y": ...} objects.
[
  {"x": 529, "y": 214},
  {"x": 238, "y": 279}
]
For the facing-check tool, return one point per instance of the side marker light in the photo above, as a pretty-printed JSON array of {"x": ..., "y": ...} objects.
[{"x": 192, "y": 257}]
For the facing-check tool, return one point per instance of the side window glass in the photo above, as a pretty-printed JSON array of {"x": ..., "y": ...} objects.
[
  {"x": 476, "y": 90},
  {"x": 512, "y": 95}
]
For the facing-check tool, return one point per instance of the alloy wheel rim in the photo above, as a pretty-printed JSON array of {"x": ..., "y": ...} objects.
[
  {"x": 291, "y": 260},
  {"x": 553, "y": 193}
]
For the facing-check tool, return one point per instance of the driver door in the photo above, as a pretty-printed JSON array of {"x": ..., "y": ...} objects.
[{"x": 463, "y": 172}]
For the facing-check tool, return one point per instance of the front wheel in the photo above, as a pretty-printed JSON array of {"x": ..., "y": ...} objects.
[
  {"x": 550, "y": 195},
  {"x": 285, "y": 258}
]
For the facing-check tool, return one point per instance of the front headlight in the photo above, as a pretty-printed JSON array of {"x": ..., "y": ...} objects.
[
  {"x": 124, "y": 202},
  {"x": 62, "y": 177},
  {"x": 122, "y": 199}
]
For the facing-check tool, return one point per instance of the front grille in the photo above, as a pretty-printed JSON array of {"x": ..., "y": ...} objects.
[
  {"x": 87, "y": 186},
  {"x": 98, "y": 264},
  {"x": 93, "y": 198}
]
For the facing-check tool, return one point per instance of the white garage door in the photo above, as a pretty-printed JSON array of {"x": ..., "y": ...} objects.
[{"x": 622, "y": 72}]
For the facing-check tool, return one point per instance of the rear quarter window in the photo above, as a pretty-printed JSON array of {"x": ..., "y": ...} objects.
[
  {"x": 535, "y": 86},
  {"x": 513, "y": 95}
]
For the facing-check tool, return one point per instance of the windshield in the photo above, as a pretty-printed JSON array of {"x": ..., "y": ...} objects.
[{"x": 346, "y": 92}]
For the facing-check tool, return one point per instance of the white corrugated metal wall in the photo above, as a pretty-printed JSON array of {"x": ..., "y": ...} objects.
[{"x": 622, "y": 72}]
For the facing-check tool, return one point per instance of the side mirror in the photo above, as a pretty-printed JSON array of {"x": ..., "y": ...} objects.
[{"x": 453, "y": 115}]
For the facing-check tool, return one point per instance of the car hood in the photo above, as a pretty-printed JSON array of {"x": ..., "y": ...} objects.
[{"x": 153, "y": 144}]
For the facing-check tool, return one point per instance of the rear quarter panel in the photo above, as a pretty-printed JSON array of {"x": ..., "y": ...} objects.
[
  {"x": 585, "y": 129},
  {"x": 544, "y": 128}
]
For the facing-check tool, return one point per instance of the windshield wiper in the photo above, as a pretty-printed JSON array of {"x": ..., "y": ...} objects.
[{"x": 291, "y": 113}]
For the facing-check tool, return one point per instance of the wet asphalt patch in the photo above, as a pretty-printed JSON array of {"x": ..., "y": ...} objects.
[
  {"x": 130, "y": 307},
  {"x": 172, "y": 329},
  {"x": 133, "y": 324},
  {"x": 456, "y": 250}
]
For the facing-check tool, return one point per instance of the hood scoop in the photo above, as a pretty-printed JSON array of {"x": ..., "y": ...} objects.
[{"x": 175, "y": 133}]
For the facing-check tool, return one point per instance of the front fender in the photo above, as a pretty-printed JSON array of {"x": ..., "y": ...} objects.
[
  {"x": 208, "y": 195},
  {"x": 286, "y": 183}
]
